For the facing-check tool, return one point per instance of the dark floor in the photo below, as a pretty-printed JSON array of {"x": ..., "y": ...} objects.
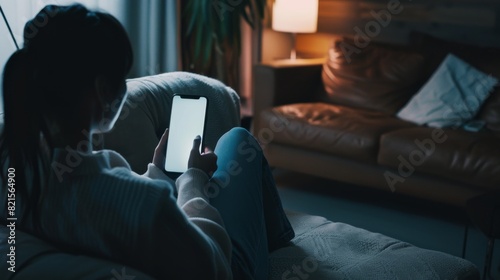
[{"x": 421, "y": 223}]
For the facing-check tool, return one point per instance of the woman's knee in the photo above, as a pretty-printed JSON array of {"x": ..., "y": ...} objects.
[
  {"x": 239, "y": 132},
  {"x": 237, "y": 135},
  {"x": 240, "y": 140}
]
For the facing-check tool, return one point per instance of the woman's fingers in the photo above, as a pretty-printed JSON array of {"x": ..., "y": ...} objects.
[
  {"x": 160, "y": 150},
  {"x": 196, "y": 144},
  {"x": 162, "y": 145},
  {"x": 206, "y": 161},
  {"x": 211, "y": 162}
]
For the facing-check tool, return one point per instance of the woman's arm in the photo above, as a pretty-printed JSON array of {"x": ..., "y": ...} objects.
[
  {"x": 188, "y": 242},
  {"x": 189, "y": 227},
  {"x": 204, "y": 253},
  {"x": 193, "y": 200}
]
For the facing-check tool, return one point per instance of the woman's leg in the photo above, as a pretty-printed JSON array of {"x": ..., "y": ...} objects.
[{"x": 243, "y": 191}]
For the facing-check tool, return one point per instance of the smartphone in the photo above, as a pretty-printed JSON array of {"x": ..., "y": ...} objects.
[{"x": 187, "y": 120}]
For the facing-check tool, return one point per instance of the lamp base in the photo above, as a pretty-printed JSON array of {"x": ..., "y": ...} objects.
[{"x": 293, "y": 52}]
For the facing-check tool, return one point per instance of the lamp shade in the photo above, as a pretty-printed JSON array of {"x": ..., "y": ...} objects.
[{"x": 295, "y": 16}]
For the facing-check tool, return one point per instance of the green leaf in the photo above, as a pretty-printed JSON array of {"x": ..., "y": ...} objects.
[
  {"x": 261, "y": 6},
  {"x": 204, "y": 11},
  {"x": 248, "y": 18},
  {"x": 251, "y": 11},
  {"x": 191, "y": 24}
]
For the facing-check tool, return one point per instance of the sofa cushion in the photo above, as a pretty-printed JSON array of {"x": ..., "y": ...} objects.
[
  {"x": 333, "y": 129},
  {"x": 378, "y": 77},
  {"x": 485, "y": 59},
  {"x": 468, "y": 157},
  {"x": 451, "y": 97}
]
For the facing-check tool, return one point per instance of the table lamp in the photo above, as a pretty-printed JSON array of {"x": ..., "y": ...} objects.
[{"x": 295, "y": 16}]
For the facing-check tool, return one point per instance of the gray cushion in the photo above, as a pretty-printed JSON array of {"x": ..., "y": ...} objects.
[
  {"x": 452, "y": 96},
  {"x": 326, "y": 250}
]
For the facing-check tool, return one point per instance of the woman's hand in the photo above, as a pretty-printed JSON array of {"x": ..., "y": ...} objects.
[
  {"x": 206, "y": 161},
  {"x": 161, "y": 149}
]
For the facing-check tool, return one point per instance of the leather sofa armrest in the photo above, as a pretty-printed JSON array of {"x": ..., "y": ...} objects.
[{"x": 286, "y": 82}]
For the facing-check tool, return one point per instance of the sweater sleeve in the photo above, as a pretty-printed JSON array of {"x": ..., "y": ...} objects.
[
  {"x": 153, "y": 172},
  {"x": 192, "y": 199},
  {"x": 190, "y": 242},
  {"x": 120, "y": 215},
  {"x": 206, "y": 219}
]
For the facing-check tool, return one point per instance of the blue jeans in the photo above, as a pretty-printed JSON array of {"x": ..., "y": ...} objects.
[{"x": 244, "y": 192}]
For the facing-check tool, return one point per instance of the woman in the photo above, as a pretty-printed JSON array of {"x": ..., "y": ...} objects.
[{"x": 62, "y": 87}]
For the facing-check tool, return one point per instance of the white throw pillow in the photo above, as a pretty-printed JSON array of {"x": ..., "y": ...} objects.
[{"x": 452, "y": 96}]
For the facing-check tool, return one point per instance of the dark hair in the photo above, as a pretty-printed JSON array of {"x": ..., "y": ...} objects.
[{"x": 65, "y": 49}]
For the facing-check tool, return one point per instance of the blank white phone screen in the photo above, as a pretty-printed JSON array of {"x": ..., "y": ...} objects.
[{"x": 187, "y": 121}]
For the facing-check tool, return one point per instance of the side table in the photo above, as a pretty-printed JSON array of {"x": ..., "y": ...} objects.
[{"x": 484, "y": 213}]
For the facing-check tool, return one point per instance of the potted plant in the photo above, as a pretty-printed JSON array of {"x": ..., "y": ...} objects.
[{"x": 211, "y": 35}]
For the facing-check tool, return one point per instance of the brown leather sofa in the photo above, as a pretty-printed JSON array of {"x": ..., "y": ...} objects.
[{"x": 335, "y": 118}]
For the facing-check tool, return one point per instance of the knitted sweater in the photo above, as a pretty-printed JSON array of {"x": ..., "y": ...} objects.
[{"x": 96, "y": 204}]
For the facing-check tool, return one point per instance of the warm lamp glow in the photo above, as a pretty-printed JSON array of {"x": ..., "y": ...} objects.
[{"x": 295, "y": 16}]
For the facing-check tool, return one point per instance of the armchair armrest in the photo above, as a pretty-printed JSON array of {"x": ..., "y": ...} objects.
[{"x": 285, "y": 82}]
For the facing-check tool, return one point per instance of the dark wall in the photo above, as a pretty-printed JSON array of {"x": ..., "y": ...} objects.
[
  {"x": 458, "y": 20},
  {"x": 471, "y": 21}
]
